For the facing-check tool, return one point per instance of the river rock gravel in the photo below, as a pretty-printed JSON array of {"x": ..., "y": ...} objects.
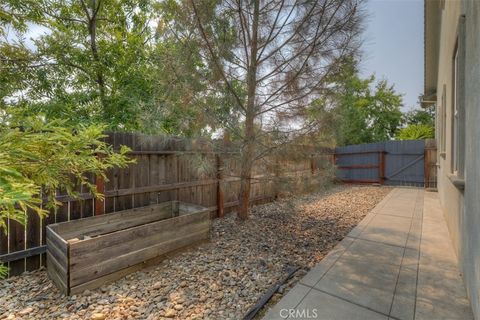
[{"x": 219, "y": 279}]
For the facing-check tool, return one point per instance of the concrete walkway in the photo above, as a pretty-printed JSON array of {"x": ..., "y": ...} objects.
[{"x": 398, "y": 263}]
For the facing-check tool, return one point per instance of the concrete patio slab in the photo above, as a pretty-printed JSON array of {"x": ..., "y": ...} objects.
[
  {"x": 368, "y": 251},
  {"x": 398, "y": 264},
  {"x": 295, "y": 296},
  {"x": 397, "y": 212},
  {"x": 387, "y": 229},
  {"x": 440, "y": 290},
  {"x": 403, "y": 305},
  {"x": 351, "y": 279},
  {"x": 333, "y": 308},
  {"x": 317, "y": 272}
]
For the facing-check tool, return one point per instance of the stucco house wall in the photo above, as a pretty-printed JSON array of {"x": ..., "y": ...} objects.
[
  {"x": 461, "y": 207},
  {"x": 470, "y": 240},
  {"x": 450, "y": 196}
]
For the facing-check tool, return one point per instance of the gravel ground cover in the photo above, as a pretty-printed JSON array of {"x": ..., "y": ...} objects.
[{"x": 220, "y": 279}]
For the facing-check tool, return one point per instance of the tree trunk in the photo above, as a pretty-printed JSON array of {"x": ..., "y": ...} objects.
[
  {"x": 244, "y": 198},
  {"x": 246, "y": 169},
  {"x": 92, "y": 30},
  {"x": 249, "y": 138}
]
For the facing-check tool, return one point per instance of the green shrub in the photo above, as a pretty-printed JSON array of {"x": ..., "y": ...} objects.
[
  {"x": 416, "y": 132},
  {"x": 38, "y": 158}
]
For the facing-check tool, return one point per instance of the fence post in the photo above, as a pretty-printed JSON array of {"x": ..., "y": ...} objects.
[
  {"x": 381, "y": 167},
  {"x": 220, "y": 193},
  {"x": 426, "y": 168}
]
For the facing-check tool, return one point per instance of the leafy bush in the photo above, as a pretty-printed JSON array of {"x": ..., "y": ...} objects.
[
  {"x": 3, "y": 271},
  {"x": 416, "y": 132},
  {"x": 38, "y": 158}
]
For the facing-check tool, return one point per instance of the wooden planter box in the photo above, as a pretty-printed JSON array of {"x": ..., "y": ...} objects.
[{"x": 86, "y": 253}]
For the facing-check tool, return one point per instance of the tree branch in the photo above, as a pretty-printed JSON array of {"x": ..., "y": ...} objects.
[{"x": 214, "y": 57}]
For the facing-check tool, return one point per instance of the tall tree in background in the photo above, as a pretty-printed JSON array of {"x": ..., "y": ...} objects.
[
  {"x": 420, "y": 116},
  {"x": 89, "y": 65},
  {"x": 365, "y": 111},
  {"x": 135, "y": 65},
  {"x": 185, "y": 84},
  {"x": 281, "y": 56}
]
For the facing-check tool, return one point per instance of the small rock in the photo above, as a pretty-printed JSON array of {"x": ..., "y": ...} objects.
[
  {"x": 98, "y": 316},
  {"x": 25, "y": 311},
  {"x": 170, "y": 313},
  {"x": 178, "y": 307}
]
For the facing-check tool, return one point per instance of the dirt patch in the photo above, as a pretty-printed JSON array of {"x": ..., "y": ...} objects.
[{"x": 220, "y": 279}]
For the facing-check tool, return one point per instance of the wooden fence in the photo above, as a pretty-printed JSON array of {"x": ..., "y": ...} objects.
[
  {"x": 165, "y": 169},
  {"x": 407, "y": 163}
]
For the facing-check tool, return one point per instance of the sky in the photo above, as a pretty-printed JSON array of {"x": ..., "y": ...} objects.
[{"x": 393, "y": 46}]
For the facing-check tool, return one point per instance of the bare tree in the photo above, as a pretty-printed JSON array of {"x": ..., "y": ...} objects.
[{"x": 282, "y": 55}]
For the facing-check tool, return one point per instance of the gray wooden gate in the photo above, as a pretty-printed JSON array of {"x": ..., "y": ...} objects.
[{"x": 390, "y": 162}]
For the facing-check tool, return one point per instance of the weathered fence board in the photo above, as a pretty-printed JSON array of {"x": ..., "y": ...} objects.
[{"x": 166, "y": 169}]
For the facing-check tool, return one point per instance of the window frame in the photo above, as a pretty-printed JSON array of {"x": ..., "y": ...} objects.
[
  {"x": 455, "y": 151},
  {"x": 443, "y": 122},
  {"x": 457, "y": 135}
]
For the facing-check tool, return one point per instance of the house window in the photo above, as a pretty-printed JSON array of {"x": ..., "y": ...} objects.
[
  {"x": 443, "y": 121},
  {"x": 455, "y": 115},
  {"x": 458, "y": 104}
]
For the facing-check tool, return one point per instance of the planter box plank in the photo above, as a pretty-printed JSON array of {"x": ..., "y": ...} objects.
[
  {"x": 57, "y": 240},
  {"x": 83, "y": 248},
  {"x": 132, "y": 258},
  {"x": 57, "y": 267},
  {"x": 56, "y": 274},
  {"x": 158, "y": 233},
  {"x": 56, "y": 251},
  {"x": 60, "y": 258},
  {"x": 114, "y": 221},
  {"x": 86, "y": 253},
  {"x": 115, "y": 275}
]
